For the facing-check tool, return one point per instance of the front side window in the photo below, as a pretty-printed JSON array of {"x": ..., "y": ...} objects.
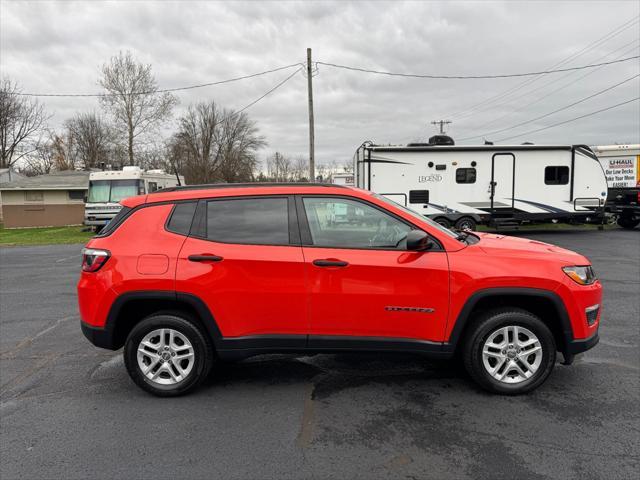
[
  {"x": 342, "y": 223},
  {"x": 466, "y": 175},
  {"x": 556, "y": 175},
  {"x": 262, "y": 221}
]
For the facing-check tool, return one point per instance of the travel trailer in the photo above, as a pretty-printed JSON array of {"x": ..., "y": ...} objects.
[
  {"x": 500, "y": 185},
  {"x": 108, "y": 188},
  {"x": 345, "y": 178},
  {"x": 621, "y": 164}
]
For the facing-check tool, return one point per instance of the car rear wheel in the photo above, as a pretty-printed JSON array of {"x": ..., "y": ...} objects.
[
  {"x": 167, "y": 355},
  {"x": 509, "y": 351}
]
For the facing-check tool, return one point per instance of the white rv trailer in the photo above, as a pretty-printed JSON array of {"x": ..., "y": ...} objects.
[
  {"x": 621, "y": 165},
  {"x": 108, "y": 188},
  {"x": 461, "y": 186},
  {"x": 344, "y": 178}
]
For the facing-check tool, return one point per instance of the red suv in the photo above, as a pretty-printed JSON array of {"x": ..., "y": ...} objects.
[{"x": 192, "y": 275}]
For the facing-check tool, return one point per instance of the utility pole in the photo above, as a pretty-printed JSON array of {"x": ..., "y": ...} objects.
[
  {"x": 442, "y": 123},
  {"x": 312, "y": 163}
]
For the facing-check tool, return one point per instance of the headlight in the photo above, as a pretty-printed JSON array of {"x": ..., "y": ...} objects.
[{"x": 582, "y": 275}]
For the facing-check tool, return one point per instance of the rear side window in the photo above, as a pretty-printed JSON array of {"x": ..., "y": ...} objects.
[
  {"x": 556, "y": 175},
  {"x": 262, "y": 221},
  {"x": 181, "y": 218},
  {"x": 466, "y": 175}
]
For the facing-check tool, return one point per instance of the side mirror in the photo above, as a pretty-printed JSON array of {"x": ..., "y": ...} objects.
[{"x": 418, "y": 241}]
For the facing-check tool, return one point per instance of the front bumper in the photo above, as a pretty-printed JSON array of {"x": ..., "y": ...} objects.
[{"x": 580, "y": 345}]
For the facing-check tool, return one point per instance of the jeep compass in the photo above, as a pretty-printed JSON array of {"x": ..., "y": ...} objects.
[{"x": 189, "y": 276}]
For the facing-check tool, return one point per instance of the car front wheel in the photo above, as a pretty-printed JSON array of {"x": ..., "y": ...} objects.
[
  {"x": 509, "y": 351},
  {"x": 167, "y": 355}
]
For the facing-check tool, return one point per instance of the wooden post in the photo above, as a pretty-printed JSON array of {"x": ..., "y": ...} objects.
[{"x": 312, "y": 166}]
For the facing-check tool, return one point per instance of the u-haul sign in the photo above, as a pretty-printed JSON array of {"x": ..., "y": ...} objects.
[{"x": 621, "y": 172}]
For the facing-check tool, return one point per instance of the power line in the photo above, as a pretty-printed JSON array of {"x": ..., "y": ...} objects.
[
  {"x": 555, "y": 111},
  {"x": 474, "y": 77},
  {"x": 613, "y": 33},
  {"x": 164, "y": 90},
  {"x": 570, "y": 83},
  {"x": 571, "y": 119},
  {"x": 264, "y": 95}
]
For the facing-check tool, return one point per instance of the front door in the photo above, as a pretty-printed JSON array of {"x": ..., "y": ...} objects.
[
  {"x": 246, "y": 266},
  {"x": 362, "y": 280},
  {"x": 502, "y": 182}
]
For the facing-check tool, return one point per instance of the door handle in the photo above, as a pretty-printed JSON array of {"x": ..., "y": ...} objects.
[
  {"x": 330, "y": 263},
  {"x": 204, "y": 258}
]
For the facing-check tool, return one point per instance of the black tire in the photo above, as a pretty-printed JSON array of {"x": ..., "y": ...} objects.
[
  {"x": 466, "y": 223},
  {"x": 628, "y": 223},
  {"x": 445, "y": 222},
  {"x": 489, "y": 323},
  {"x": 202, "y": 349}
]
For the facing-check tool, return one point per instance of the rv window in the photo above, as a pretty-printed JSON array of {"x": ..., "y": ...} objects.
[
  {"x": 466, "y": 175},
  {"x": 556, "y": 175},
  {"x": 153, "y": 186},
  {"x": 418, "y": 196}
]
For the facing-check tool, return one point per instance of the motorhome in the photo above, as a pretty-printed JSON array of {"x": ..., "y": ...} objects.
[
  {"x": 500, "y": 185},
  {"x": 107, "y": 188},
  {"x": 621, "y": 164}
]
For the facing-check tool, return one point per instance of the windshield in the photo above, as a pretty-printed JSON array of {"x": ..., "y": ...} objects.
[
  {"x": 444, "y": 230},
  {"x": 105, "y": 191}
]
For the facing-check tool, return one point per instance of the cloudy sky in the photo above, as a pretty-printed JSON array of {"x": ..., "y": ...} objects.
[{"x": 57, "y": 47}]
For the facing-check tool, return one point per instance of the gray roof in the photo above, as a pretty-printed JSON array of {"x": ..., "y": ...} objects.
[{"x": 67, "y": 180}]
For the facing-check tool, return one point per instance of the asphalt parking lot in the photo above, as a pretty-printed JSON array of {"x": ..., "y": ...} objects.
[{"x": 68, "y": 410}]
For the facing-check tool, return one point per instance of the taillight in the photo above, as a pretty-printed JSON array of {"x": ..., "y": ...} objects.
[{"x": 93, "y": 259}]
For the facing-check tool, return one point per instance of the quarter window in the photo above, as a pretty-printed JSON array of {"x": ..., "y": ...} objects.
[
  {"x": 556, "y": 175},
  {"x": 466, "y": 175},
  {"x": 180, "y": 221},
  {"x": 263, "y": 221},
  {"x": 342, "y": 223}
]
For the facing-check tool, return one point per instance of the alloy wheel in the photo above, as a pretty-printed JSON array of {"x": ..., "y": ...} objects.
[
  {"x": 512, "y": 354},
  {"x": 165, "y": 356}
]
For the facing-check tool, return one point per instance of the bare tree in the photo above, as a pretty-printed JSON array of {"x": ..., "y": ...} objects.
[
  {"x": 133, "y": 99},
  {"x": 279, "y": 168},
  {"x": 94, "y": 139},
  {"x": 21, "y": 121},
  {"x": 213, "y": 144},
  {"x": 300, "y": 169}
]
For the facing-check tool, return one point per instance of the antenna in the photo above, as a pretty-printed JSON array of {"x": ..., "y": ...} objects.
[{"x": 441, "y": 123}]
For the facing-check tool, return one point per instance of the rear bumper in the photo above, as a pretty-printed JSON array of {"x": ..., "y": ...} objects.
[{"x": 100, "y": 337}]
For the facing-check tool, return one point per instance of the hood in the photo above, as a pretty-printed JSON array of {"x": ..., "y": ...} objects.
[{"x": 494, "y": 244}]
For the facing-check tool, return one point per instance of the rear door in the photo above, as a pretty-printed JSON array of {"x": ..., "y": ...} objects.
[
  {"x": 362, "y": 280},
  {"x": 243, "y": 259}
]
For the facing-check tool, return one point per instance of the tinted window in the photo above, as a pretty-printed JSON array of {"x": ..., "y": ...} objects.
[
  {"x": 466, "y": 175},
  {"x": 556, "y": 175},
  {"x": 262, "y": 221},
  {"x": 418, "y": 196},
  {"x": 341, "y": 223},
  {"x": 115, "y": 222},
  {"x": 181, "y": 218}
]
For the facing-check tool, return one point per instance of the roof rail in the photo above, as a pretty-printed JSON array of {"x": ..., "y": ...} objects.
[{"x": 213, "y": 186}]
